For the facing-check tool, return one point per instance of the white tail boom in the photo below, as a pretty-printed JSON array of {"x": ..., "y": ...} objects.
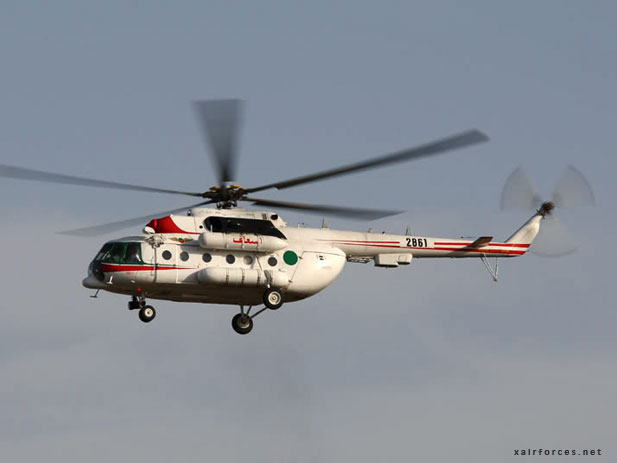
[{"x": 528, "y": 232}]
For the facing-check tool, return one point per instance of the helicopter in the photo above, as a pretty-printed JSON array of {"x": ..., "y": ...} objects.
[{"x": 250, "y": 257}]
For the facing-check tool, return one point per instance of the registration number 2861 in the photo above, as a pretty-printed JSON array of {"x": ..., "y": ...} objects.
[{"x": 417, "y": 242}]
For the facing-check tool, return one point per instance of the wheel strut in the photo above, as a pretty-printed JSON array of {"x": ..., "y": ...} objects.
[{"x": 136, "y": 303}]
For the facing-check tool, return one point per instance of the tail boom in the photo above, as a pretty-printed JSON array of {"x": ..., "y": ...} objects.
[
  {"x": 365, "y": 246},
  {"x": 528, "y": 232}
]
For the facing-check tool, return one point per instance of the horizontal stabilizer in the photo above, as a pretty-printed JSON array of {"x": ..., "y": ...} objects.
[{"x": 480, "y": 242}]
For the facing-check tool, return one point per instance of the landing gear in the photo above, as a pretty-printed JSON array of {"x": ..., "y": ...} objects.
[
  {"x": 242, "y": 323},
  {"x": 273, "y": 299},
  {"x": 135, "y": 303},
  {"x": 146, "y": 312}
]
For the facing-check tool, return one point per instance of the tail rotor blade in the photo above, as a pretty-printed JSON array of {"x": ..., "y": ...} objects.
[
  {"x": 573, "y": 189},
  {"x": 219, "y": 122},
  {"x": 519, "y": 193},
  {"x": 554, "y": 239}
]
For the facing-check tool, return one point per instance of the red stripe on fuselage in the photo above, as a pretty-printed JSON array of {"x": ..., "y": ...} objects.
[
  {"x": 483, "y": 251},
  {"x": 397, "y": 245},
  {"x": 362, "y": 242},
  {"x": 136, "y": 268},
  {"x": 459, "y": 249},
  {"x": 437, "y": 243},
  {"x": 458, "y": 243}
]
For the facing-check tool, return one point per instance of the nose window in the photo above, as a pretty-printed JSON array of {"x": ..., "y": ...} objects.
[
  {"x": 103, "y": 252},
  {"x": 120, "y": 253}
]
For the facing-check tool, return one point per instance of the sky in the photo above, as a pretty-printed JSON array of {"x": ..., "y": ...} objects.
[{"x": 433, "y": 362}]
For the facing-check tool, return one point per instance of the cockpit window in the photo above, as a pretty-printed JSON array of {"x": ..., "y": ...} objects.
[
  {"x": 120, "y": 253},
  {"x": 106, "y": 247},
  {"x": 115, "y": 253},
  {"x": 238, "y": 225},
  {"x": 133, "y": 253}
]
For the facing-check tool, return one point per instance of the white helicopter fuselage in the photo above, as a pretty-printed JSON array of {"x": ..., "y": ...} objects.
[{"x": 232, "y": 256}]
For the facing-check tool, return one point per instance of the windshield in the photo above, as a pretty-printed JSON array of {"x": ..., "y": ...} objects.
[
  {"x": 106, "y": 247},
  {"x": 120, "y": 253}
]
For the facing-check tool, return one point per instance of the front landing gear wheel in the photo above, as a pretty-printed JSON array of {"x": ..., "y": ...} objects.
[
  {"x": 273, "y": 299},
  {"x": 147, "y": 313},
  {"x": 242, "y": 323}
]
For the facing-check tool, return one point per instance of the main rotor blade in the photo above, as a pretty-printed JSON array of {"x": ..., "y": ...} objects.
[
  {"x": 122, "y": 224},
  {"x": 470, "y": 137},
  {"x": 41, "y": 176},
  {"x": 219, "y": 122},
  {"x": 351, "y": 212},
  {"x": 573, "y": 189},
  {"x": 519, "y": 193}
]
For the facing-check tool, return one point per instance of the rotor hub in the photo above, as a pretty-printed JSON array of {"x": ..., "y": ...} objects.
[
  {"x": 226, "y": 196},
  {"x": 546, "y": 208}
]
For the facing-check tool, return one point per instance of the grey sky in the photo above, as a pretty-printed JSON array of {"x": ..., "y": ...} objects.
[{"x": 434, "y": 362}]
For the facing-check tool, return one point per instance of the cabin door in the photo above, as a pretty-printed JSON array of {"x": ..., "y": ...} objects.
[{"x": 165, "y": 264}]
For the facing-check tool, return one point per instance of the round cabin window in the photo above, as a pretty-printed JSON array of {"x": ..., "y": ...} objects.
[
  {"x": 206, "y": 257},
  {"x": 272, "y": 261},
  {"x": 184, "y": 256},
  {"x": 248, "y": 260},
  {"x": 290, "y": 258},
  {"x": 230, "y": 259},
  {"x": 166, "y": 255}
]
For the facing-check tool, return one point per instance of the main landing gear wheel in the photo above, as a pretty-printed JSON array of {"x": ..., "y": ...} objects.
[
  {"x": 242, "y": 323},
  {"x": 273, "y": 299},
  {"x": 147, "y": 313}
]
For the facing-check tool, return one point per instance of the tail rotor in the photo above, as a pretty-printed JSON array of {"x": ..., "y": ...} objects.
[{"x": 572, "y": 190}]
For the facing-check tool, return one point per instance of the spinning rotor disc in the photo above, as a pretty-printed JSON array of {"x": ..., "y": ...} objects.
[
  {"x": 572, "y": 190},
  {"x": 219, "y": 122}
]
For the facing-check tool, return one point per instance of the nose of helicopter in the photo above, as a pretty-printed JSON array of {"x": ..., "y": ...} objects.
[
  {"x": 91, "y": 282},
  {"x": 95, "y": 278}
]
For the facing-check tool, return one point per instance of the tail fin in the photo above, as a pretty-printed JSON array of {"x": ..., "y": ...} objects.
[{"x": 528, "y": 232}]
